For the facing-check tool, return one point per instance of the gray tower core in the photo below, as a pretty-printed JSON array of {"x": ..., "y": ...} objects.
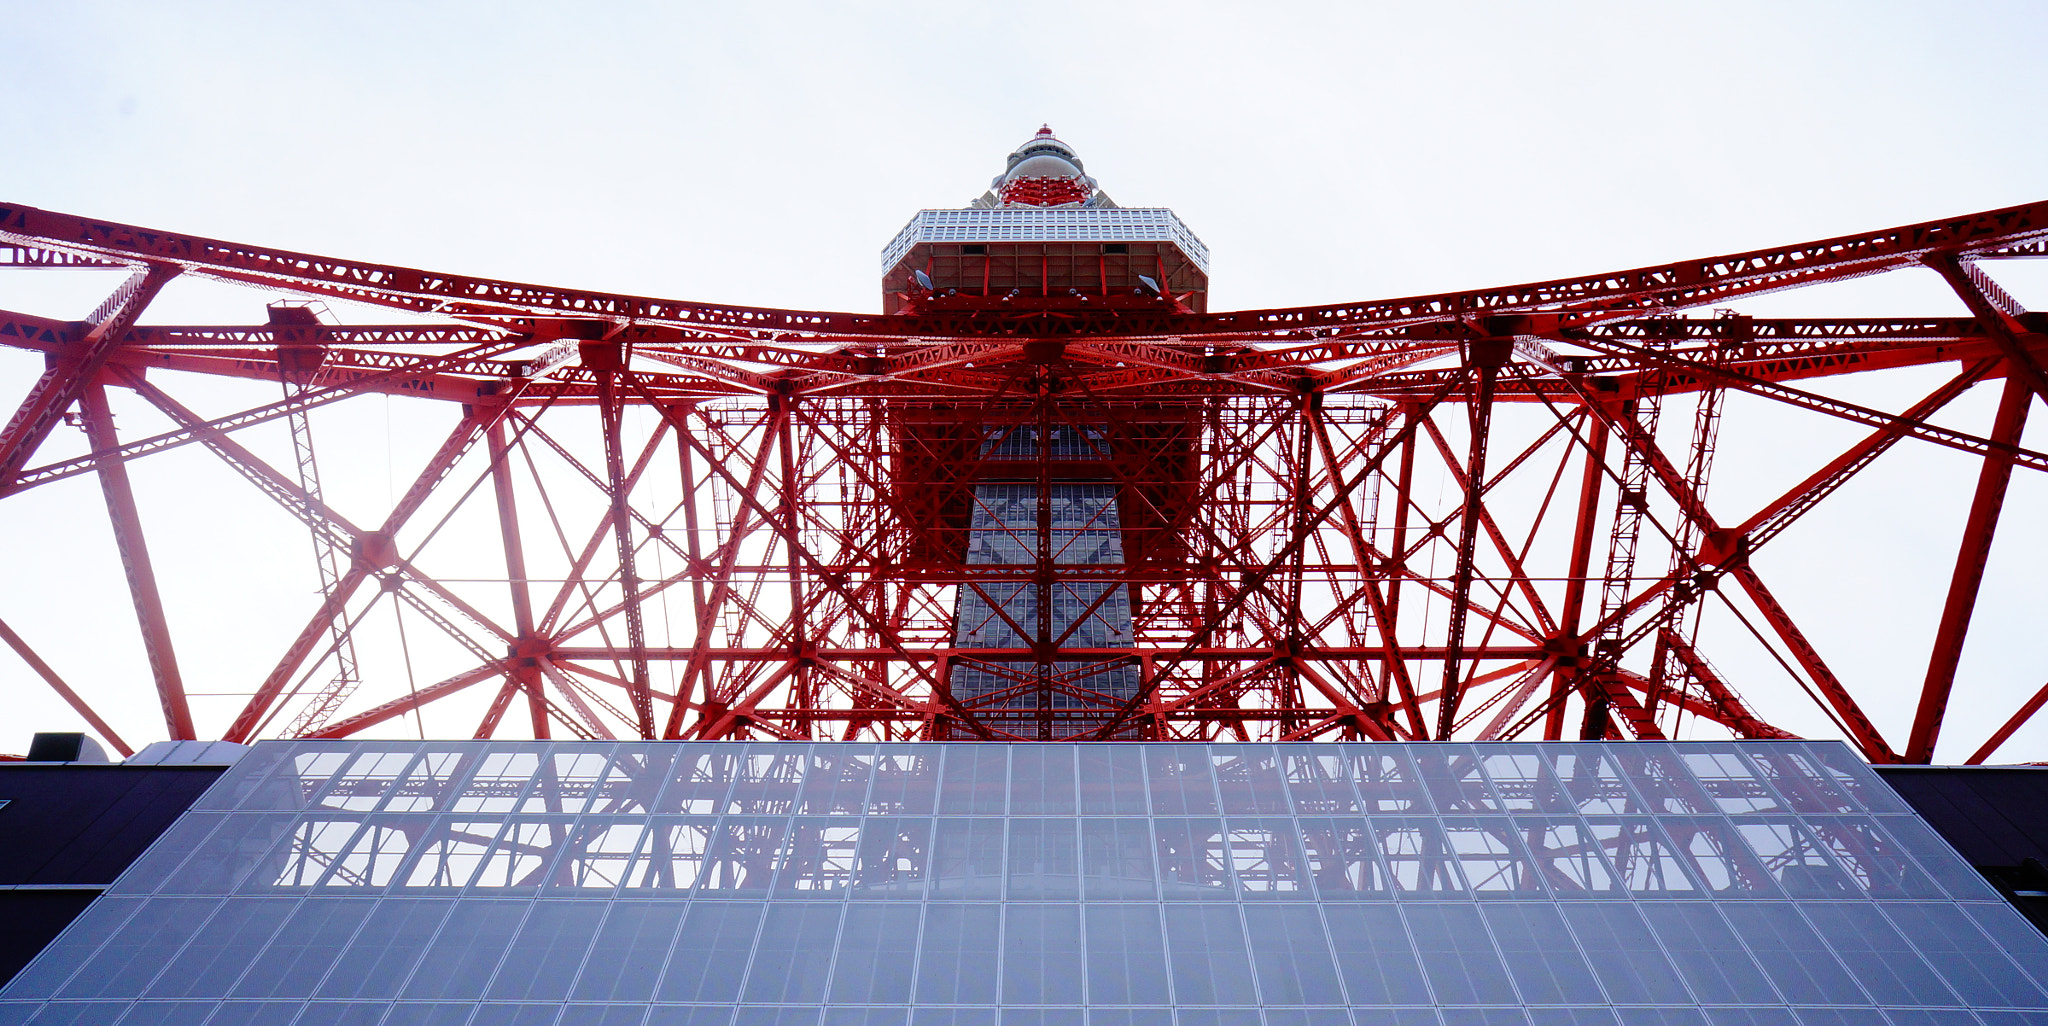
[{"x": 1043, "y": 525}]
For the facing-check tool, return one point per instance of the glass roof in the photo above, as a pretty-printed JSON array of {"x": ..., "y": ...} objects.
[{"x": 764, "y": 884}]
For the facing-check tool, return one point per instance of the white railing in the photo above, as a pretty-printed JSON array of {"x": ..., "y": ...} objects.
[{"x": 1047, "y": 224}]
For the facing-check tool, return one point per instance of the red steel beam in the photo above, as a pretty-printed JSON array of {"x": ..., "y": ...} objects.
[
  {"x": 1485, "y": 357},
  {"x": 1978, "y": 532},
  {"x": 134, "y": 548},
  {"x": 2004, "y": 733},
  {"x": 1852, "y": 716},
  {"x": 75, "y": 370},
  {"x": 1616, "y": 295},
  {"x": 1997, "y": 312},
  {"x": 63, "y": 690}
]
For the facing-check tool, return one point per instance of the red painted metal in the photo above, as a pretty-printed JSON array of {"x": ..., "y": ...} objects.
[
  {"x": 730, "y": 522},
  {"x": 141, "y": 572},
  {"x": 1974, "y": 553}
]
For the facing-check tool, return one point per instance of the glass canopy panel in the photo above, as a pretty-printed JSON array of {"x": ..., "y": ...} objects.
[{"x": 769, "y": 884}]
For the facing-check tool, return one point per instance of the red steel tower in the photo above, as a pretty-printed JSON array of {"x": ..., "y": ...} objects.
[{"x": 1047, "y": 494}]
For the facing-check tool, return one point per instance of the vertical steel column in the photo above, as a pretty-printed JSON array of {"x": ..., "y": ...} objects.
[
  {"x": 1978, "y": 533},
  {"x": 525, "y": 674},
  {"x": 1574, "y": 611},
  {"x": 1485, "y": 356},
  {"x": 629, "y": 578},
  {"x": 128, "y": 536}
]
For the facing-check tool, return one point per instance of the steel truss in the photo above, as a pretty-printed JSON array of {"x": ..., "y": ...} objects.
[{"x": 1377, "y": 520}]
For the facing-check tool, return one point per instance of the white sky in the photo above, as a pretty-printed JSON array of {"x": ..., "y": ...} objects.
[{"x": 762, "y": 154}]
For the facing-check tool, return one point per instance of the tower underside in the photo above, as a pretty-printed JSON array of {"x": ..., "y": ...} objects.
[{"x": 1478, "y": 515}]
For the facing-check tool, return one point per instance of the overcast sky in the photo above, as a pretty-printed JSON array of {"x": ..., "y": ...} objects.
[{"x": 763, "y": 153}]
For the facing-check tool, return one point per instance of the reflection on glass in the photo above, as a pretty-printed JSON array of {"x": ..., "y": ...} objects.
[
  {"x": 237, "y": 848},
  {"x": 1873, "y": 860},
  {"x": 769, "y": 778},
  {"x": 1419, "y": 860},
  {"x": 1729, "y": 782},
  {"x": 1266, "y": 859},
  {"x": 1387, "y": 782},
  {"x": 1194, "y": 858},
  {"x": 1112, "y": 780},
  {"x": 1044, "y": 860},
  {"x": 1522, "y": 779},
  {"x": 636, "y": 778},
  {"x": 1661, "y": 779},
  {"x": 1593, "y": 782},
  {"x": 1116, "y": 860},
  {"x": 1042, "y": 781},
  {"x": 906, "y": 780},
  {"x": 372, "y": 858},
  {"x": 1805, "y": 786},
  {"x": 523, "y": 852},
  {"x": 967, "y": 860},
  {"x": 448, "y": 857},
  {"x": 597, "y": 857},
  {"x": 1248, "y": 779},
  {"x": 823, "y": 854},
  {"x": 743, "y": 857},
  {"x": 1790, "y": 854},
  {"x": 1854, "y": 776},
  {"x": 1340, "y": 858},
  {"x": 501, "y": 777},
  {"x": 429, "y": 782},
  {"x": 1568, "y": 857},
  {"x": 576, "y": 781},
  {"x": 977, "y": 779},
  {"x": 1319, "y": 780},
  {"x": 838, "y": 779},
  {"x": 701, "y": 780},
  {"x": 1451, "y": 773},
  {"x": 264, "y": 778},
  {"x": 672, "y": 855},
  {"x": 360, "y": 786},
  {"x": 1723, "y": 864},
  {"x": 1491, "y": 858},
  {"x": 1643, "y": 860},
  {"x": 1181, "y": 785},
  {"x": 1309, "y": 897},
  {"x": 892, "y": 859}
]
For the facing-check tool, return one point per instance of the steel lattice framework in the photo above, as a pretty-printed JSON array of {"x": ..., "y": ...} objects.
[{"x": 793, "y": 481}]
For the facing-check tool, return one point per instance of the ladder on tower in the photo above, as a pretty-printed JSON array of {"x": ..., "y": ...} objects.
[
  {"x": 301, "y": 351},
  {"x": 1631, "y": 507}
]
